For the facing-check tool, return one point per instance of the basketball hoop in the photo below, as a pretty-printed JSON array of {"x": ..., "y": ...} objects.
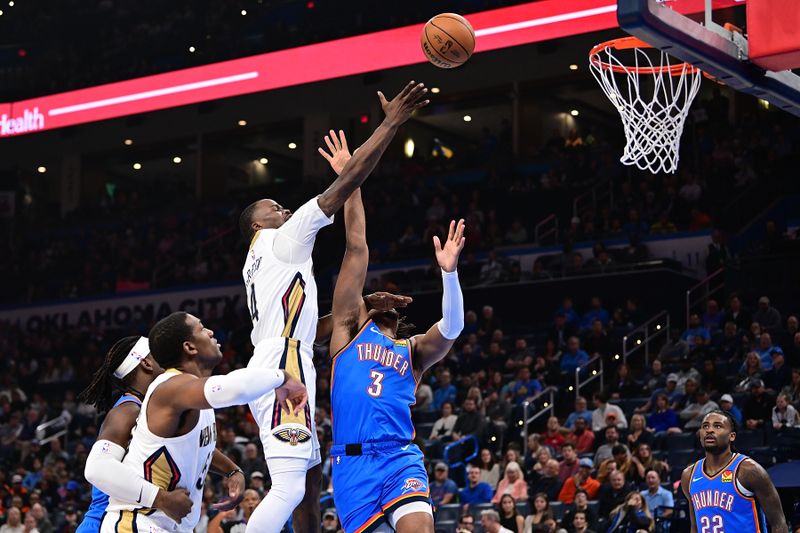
[{"x": 652, "y": 95}]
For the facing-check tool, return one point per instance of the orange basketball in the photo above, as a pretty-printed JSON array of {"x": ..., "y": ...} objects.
[{"x": 448, "y": 40}]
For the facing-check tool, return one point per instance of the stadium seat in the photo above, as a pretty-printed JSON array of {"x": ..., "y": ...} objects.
[
  {"x": 523, "y": 508},
  {"x": 450, "y": 511},
  {"x": 682, "y": 458},
  {"x": 749, "y": 439},
  {"x": 680, "y": 441},
  {"x": 558, "y": 510},
  {"x": 445, "y": 526},
  {"x": 424, "y": 429},
  {"x": 475, "y": 510}
]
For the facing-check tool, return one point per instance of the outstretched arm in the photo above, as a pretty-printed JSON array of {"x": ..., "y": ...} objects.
[
  {"x": 397, "y": 111},
  {"x": 348, "y": 305},
  {"x": 754, "y": 478},
  {"x": 431, "y": 347},
  {"x": 380, "y": 301}
]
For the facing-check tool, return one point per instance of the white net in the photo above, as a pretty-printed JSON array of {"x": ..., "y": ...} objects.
[{"x": 653, "y": 98}]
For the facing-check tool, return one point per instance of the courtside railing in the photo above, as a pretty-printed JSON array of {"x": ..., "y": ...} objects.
[
  {"x": 640, "y": 337},
  {"x": 548, "y": 409},
  {"x": 545, "y": 228},
  {"x": 593, "y": 375},
  {"x": 700, "y": 293}
]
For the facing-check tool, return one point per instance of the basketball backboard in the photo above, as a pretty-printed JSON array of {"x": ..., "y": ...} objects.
[{"x": 686, "y": 29}]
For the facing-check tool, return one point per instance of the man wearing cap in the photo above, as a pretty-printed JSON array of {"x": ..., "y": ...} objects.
[
  {"x": 330, "y": 521},
  {"x": 767, "y": 316},
  {"x": 258, "y": 483},
  {"x": 726, "y": 404},
  {"x": 757, "y": 406},
  {"x": 443, "y": 489},
  {"x": 583, "y": 479}
]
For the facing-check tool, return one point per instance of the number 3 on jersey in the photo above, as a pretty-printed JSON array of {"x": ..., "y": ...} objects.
[
  {"x": 711, "y": 525},
  {"x": 252, "y": 303},
  {"x": 376, "y": 388}
]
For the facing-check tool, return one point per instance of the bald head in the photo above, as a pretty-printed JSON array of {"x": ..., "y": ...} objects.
[{"x": 262, "y": 214}]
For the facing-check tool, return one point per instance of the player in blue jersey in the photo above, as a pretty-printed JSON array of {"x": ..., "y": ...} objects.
[
  {"x": 378, "y": 474},
  {"x": 728, "y": 492}
]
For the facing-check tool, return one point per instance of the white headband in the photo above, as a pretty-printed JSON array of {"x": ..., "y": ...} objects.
[{"x": 139, "y": 351}]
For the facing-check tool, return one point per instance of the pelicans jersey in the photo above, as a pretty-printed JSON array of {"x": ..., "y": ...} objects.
[
  {"x": 376, "y": 469},
  {"x": 168, "y": 463},
  {"x": 721, "y": 504},
  {"x": 282, "y": 299},
  {"x": 94, "y": 515}
]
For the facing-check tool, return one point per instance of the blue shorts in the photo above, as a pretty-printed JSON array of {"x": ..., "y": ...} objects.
[
  {"x": 90, "y": 524},
  {"x": 385, "y": 477}
]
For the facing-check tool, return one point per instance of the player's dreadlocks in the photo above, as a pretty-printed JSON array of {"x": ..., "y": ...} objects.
[
  {"x": 246, "y": 221},
  {"x": 100, "y": 391},
  {"x": 167, "y": 338}
]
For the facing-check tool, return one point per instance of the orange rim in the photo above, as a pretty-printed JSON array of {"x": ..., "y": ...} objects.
[{"x": 629, "y": 43}]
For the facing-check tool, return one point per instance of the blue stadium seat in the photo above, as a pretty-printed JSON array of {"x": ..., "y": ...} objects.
[
  {"x": 445, "y": 526},
  {"x": 680, "y": 441},
  {"x": 682, "y": 458},
  {"x": 450, "y": 511},
  {"x": 523, "y": 508},
  {"x": 475, "y": 510},
  {"x": 558, "y": 510},
  {"x": 749, "y": 439}
]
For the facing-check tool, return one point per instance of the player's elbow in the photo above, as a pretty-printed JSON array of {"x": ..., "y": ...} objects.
[{"x": 357, "y": 246}]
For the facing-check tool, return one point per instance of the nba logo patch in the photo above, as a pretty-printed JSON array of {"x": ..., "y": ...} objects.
[
  {"x": 727, "y": 476},
  {"x": 412, "y": 485}
]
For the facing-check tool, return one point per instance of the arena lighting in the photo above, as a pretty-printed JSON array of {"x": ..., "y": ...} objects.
[
  {"x": 127, "y": 142},
  {"x": 435, "y": 90},
  {"x": 364, "y": 119},
  {"x": 467, "y": 118},
  {"x": 244, "y": 12},
  {"x": 574, "y": 113},
  {"x": 192, "y": 49},
  {"x": 571, "y": 388},
  {"x": 658, "y": 326},
  {"x": 242, "y": 122},
  {"x": 573, "y": 67},
  {"x": 41, "y": 170},
  {"x": 1, "y": 12},
  {"x": 495, "y": 29},
  {"x": 638, "y": 341},
  {"x": 177, "y": 159},
  {"x": 408, "y": 148},
  {"x": 616, "y": 357},
  {"x": 137, "y": 166},
  {"x": 11, "y": 3},
  {"x": 521, "y": 422},
  {"x": 263, "y": 160},
  {"x": 292, "y": 146}
]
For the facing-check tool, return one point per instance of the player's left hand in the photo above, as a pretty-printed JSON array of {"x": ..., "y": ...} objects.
[
  {"x": 235, "y": 485},
  {"x": 339, "y": 153},
  {"x": 447, "y": 255},
  {"x": 384, "y": 301}
]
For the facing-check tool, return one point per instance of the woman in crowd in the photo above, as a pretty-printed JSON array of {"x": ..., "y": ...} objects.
[
  {"x": 632, "y": 516},
  {"x": 643, "y": 460},
  {"x": 541, "y": 512},
  {"x": 513, "y": 483},
  {"x": 581, "y": 504},
  {"x": 751, "y": 369},
  {"x": 509, "y": 516},
  {"x": 624, "y": 386},
  {"x": 490, "y": 470},
  {"x": 638, "y": 432},
  {"x": 784, "y": 415}
]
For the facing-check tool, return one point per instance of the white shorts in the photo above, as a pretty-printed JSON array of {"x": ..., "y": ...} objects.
[
  {"x": 134, "y": 521},
  {"x": 284, "y": 435}
]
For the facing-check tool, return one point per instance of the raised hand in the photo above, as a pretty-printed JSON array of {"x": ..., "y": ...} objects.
[
  {"x": 399, "y": 109},
  {"x": 384, "y": 301},
  {"x": 447, "y": 255},
  {"x": 235, "y": 485},
  {"x": 292, "y": 395},
  {"x": 339, "y": 153}
]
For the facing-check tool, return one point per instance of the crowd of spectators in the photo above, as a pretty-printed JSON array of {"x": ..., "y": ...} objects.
[{"x": 580, "y": 468}]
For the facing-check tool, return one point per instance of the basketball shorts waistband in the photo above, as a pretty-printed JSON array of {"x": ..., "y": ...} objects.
[{"x": 365, "y": 448}]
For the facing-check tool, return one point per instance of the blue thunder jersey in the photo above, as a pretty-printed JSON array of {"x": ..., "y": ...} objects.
[
  {"x": 721, "y": 504},
  {"x": 99, "y": 498},
  {"x": 372, "y": 389}
]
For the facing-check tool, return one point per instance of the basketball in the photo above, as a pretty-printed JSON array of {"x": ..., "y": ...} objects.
[{"x": 448, "y": 40}]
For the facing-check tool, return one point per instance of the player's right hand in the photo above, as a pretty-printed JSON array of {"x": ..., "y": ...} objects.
[
  {"x": 399, "y": 109},
  {"x": 176, "y": 504},
  {"x": 292, "y": 395}
]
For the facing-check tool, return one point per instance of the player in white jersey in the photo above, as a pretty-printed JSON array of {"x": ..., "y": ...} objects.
[
  {"x": 282, "y": 297},
  {"x": 174, "y": 440}
]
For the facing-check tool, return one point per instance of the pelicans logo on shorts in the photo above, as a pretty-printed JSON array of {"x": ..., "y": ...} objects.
[
  {"x": 412, "y": 485},
  {"x": 292, "y": 435},
  {"x": 727, "y": 476}
]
